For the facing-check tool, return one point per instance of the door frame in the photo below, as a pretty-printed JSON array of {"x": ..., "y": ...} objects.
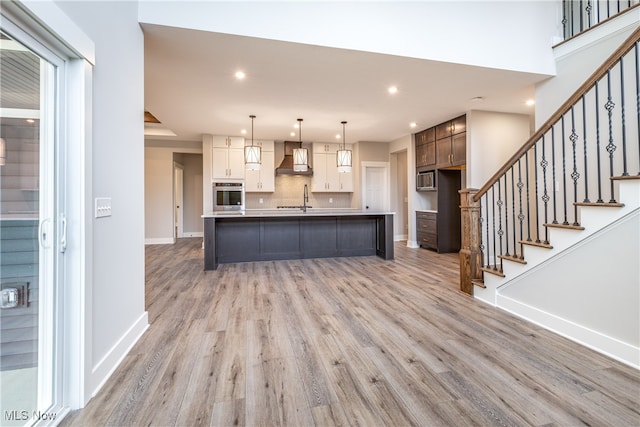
[
  {"x": 178, "y": 201},
  {"x": 363, "y": 180}
]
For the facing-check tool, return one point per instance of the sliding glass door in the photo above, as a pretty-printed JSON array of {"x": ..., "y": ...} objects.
[{"x": 31, "y": 230}]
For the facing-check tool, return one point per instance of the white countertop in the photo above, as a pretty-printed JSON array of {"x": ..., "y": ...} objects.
[
  {"x": 426, "y": 210},
  {"x": 260, "y": 213}
]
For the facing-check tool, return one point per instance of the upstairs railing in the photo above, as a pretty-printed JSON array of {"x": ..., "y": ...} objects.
[
  {"x": 580, "y": 15},
  {"x": 572, "y": 160}
]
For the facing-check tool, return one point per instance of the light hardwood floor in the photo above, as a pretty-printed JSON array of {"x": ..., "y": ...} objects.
[{"x": 347, "y": 341}]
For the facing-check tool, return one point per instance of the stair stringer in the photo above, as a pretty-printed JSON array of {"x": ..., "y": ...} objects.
[{"x": 592, "y": 218}]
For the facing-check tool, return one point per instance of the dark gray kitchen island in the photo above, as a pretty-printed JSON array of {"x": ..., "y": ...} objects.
[{"x": 266, "y": 235}]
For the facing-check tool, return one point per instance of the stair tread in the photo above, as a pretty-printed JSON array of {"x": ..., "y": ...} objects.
[
  {"x": 493, "y": 270},
  {"x": 539, "y": 244},
  {"x": 625, "y": 177},
  {"x": 479, "y": 283},
  {"x": 566, "y": 226},
  {"x": 600, "y": 204},
  {"x": 513, "y": 258}
]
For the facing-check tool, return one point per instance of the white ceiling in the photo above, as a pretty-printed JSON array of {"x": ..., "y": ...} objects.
[{"x": 190, "y": 87}]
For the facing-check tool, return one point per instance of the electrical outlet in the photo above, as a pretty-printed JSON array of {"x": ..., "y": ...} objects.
[
  {"x": 103, "y": 207},
  {"x": 330, "y": 199},
  {"x": 261, "y": 201}
]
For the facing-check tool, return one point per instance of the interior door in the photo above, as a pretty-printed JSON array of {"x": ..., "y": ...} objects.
[{"x": 375, "y": 188}]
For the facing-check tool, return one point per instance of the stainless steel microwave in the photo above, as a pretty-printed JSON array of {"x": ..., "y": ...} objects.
[{"x": 426, "y": 181}]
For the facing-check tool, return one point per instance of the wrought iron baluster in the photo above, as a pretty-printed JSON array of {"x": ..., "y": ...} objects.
[
  {"x": 588, "y": 10},
  {"x": 488, "y": 264},
  {"x": 553, "y": 173},
  {"x": 527, "y": 186},
  {"x": 584, "y": 133},
  {"x": 493, "y": 205},
  {"x": 564, "y": 176},
  {"x": 581, "y": 18},
  {"x": 574, "y": 174},
  {"x": 598, "y": 145},
  {"x": 506, "y": 216},
  {"x": 625, "y": 172},
  {"x": 535, "y": 179},
  {"x": 611, "y": 148},
  {"x": 545, "y": 193},
  {"x": 500, "y": 203},
  {"x": 513, "y": 213},
  {"x": 565, "y": 29},
  {"x": 520, "y": 185},
  {"x": 480, "y": 221}
]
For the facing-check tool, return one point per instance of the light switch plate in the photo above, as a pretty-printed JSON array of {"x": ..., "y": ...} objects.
[{"x": 103, "y": 207}]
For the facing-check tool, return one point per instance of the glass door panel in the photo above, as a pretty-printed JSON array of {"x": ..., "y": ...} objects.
[{"x": 27, "y": 234}]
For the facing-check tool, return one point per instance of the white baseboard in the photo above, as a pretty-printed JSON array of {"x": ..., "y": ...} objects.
[
  {"x": 160, "y": 241},
  {"x": 193, "y": 234},
  {"x": 595, "y": 340},
  {"x": 399, "y": 237},
  {"x": 105, "y": 367},
  {"x": 412, "y": 244}
]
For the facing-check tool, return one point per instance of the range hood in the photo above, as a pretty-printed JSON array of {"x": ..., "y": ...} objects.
[{"x": 286, "y": 167}]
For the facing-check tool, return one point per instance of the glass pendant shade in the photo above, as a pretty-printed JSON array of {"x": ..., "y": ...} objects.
[
  {"x": 3, "y": 152},
  {"x": 300, "y": 155},
  {"x": 252, "y": 156},
  {"x": 252, "y": 153},
  {"x": 344, "y": 160},
  {"x": 300, "y": 159}
]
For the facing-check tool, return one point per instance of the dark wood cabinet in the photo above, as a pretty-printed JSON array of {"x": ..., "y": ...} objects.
[
  {"x": 426, "y": 229},
  {"x": 441, "y": 230},
  {"x": 451, "y": 143},
  {"x": 425, "y": 149}
]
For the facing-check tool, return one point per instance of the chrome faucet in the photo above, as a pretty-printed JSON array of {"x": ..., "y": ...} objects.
[{"x": 305, "y": 198}]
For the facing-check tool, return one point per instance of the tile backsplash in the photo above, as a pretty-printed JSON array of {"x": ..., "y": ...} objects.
[{"x": 289, "y": 192}]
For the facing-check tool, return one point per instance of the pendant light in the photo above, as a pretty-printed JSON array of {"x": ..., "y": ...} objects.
[
  {"x": 344, "y": 156},
  {"x": 300, "y": 155},
  {"x": 252, "y": 153}
]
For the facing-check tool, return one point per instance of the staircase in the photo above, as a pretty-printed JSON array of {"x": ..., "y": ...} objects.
[{"x": 554, "y": 235}]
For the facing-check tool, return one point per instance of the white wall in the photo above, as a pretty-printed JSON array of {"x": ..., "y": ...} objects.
[
  {"x": 115, "y": 316},
  {"x": 596, "y": 305},
  {"x": 590, "y": 51},
  {"x": 511, "y": 35},
  {"x": 158, "y": 197},
  {"x": 492, "y": 138}
]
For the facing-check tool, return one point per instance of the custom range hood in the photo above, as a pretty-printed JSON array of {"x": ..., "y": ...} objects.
[{"x": 286, "y": 167}]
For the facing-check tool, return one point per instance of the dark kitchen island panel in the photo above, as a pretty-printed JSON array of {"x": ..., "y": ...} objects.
[{"x": 267, "y": 237}]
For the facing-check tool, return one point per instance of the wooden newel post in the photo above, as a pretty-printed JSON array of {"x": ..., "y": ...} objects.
[{"x": 470, "y": 252}]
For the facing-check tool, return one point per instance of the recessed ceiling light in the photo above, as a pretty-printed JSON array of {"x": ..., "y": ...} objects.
[
  {"x": 338, "y": 136},
  {"x": 413, "y": 124},
  {"x": 292, "y": 134},
  {"x": 240, "y": 75},
  {"x": 393, "y": 90},
  {"x": 477, "y": 99},
  {"x": 530, "y": 102},
  {"x": 243, "y": 131}
]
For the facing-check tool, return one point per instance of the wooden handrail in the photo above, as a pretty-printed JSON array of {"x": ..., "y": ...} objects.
[{"x": 564, "y": 108}]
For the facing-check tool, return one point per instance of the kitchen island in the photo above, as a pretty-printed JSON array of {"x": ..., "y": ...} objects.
[{"x": 266, "y": 235}]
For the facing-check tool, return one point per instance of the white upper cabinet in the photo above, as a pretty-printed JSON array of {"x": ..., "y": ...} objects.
[
  {"x": 325, "y": 170},
  {"x": 264, "y": 179},
  {"x": 227, "y": 157}
]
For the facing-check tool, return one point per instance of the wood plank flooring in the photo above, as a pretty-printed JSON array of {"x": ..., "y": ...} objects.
[{"x": 349, "y": 341}]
